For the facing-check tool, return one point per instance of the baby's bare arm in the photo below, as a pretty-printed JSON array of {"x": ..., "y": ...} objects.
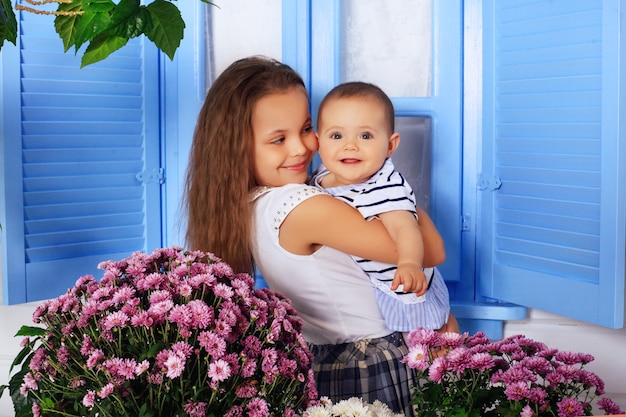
[{"x": 403, "y": 229}]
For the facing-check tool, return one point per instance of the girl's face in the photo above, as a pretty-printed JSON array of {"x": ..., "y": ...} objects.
[{"x": 284, "y": 141}]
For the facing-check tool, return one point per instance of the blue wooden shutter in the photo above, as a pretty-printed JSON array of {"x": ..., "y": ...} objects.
[
  {"x": 553, "y": 179},
  {"x": 81, "y": 160}
]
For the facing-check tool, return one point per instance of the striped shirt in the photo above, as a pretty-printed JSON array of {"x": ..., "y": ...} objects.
[{"x": 387, "y": 190}]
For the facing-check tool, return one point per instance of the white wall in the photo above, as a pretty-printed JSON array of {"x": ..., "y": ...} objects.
[
  {"x": 607, "y": 345},
  {"x": 11, "y": 319}
]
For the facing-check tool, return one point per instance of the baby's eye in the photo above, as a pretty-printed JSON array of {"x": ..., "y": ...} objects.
[
  {"x": 335, "y": 136},
  {"x": 366, "y": 135}
]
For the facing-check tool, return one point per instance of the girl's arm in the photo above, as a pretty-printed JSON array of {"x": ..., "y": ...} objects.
[
  {"x": 434, "y": 249},
  {"x": 324, "y": 220}
]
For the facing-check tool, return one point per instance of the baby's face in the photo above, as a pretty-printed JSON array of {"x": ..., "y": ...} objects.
[{"x": 354, "y": 139}]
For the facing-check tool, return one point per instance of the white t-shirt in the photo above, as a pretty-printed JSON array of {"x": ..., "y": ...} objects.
[{"x": 331, "y": 293}]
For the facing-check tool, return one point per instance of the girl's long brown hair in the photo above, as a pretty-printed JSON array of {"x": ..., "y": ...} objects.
[{"x": 220, "y": 174}]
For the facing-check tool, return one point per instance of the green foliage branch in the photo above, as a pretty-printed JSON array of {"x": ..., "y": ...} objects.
[{"x": 103, "y": 25}]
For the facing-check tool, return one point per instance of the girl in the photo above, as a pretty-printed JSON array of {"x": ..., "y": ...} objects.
[{"x": 248, "y": 203}]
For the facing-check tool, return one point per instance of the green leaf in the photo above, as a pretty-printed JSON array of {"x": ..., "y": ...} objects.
[
  {"x": 101, "y": 47},
  {"x": 167, "y": 27},
  {"x": 126, "y": 20},
  {"x": 30, "y": 331},
  {"x": 66, "y": 26},
  {"x": 98, "y": 6},
  {"x": 23, "y": 354},
  {"x": 21, "y": 404},
  {"x": 8, "y": 23},
  {"x": 91, "y": 25}
]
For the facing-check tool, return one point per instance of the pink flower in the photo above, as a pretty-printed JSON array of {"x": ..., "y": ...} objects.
[
  {"x": 517, "y": 390},
  {"x": 219, "y": 370},
  {"x": 221, "y": 269},
  {"x": 251, "y": 346},
  {"x": 174, "y": 365},
  {"x": 202, "y": 279},
  {"x": 606, "y": 404},
  {"x": 106, "y": 390},
  {"x": 212, "y": 343},
  {"x": 89, "y": 399},
  {"x": 223, "y": 291},
  {"x": 537, "y": 395},
  {"x": 116, "y": 319},
  {"x": 201, "y": 314},
  {"x": 63, "y": 354},
  {"x": 458, "y": 359},
  {"x": 228, "y": 313},
  {"x": 86, "y": 346},
  {"x": 268, "y": 364},
  {"x": 246, "y": 390},
  {"x": 248, "y": 368},
  {"x": 142, "y": 367},
  {"x": 195, "y": 409},
  {"x": 518, "y": 373},
  {"x": 417, "y": 358},
  {"x": 160, "y": 309},
  {"x": 568, "y": 358},
  {"x": 570, "y": 407},
  {"x": 159, "y": 296},
  {"x": 257, "y": 407},
  {"x": 451, "y": 339},
  {"x": 182, "y": 348},
  {"x": 127, "y": 368},
  {"x": 142, "y": 318},
  {"x": 150, "y": 281},
  {"x": 156, "y": 318},
  {"x": 481, "y": 361},
  {"x": 123, "y": 294},
  {"x": 234, "y": 411},
  {"x": 181, "y": 315},
  {"x": 37, "y": 362},
  {"x": 222, "y": 328},
  {"x": 29, "y": 383},
  {"x": 527, "y": 412},
  {"x": 77, "y": 382},
  {"x": 437, "y": 369},
  {"x": 94, "y": 358},
  {"x": 287, "y": 367}
]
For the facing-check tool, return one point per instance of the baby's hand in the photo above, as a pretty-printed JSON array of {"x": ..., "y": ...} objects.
[{"x": 411, "y": 277}]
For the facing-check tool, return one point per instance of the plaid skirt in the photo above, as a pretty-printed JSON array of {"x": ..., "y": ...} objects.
[{"x": 371, "y": 369}]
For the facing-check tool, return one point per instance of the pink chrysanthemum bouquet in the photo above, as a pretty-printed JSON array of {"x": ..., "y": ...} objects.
[
  {"x": 470, "y": 376},
  {"x": 172, "y": 333}
]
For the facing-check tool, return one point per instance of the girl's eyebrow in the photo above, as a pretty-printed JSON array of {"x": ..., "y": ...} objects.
[{"x": 274, "y": 132}]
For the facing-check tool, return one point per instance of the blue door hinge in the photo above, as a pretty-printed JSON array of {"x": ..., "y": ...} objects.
[
  {"x": 151, "y": 176},
  {"x": 466, "y": 222},
  {"x": 488, "y": 183}
]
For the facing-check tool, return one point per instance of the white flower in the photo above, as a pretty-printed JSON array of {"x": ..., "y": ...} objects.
[
  {"x": 318, "y": 411},
  {"x": 352, "y": 407}
]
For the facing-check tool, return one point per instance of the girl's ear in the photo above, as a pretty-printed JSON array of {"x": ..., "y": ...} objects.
[{"x": 394, "y": 142}]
